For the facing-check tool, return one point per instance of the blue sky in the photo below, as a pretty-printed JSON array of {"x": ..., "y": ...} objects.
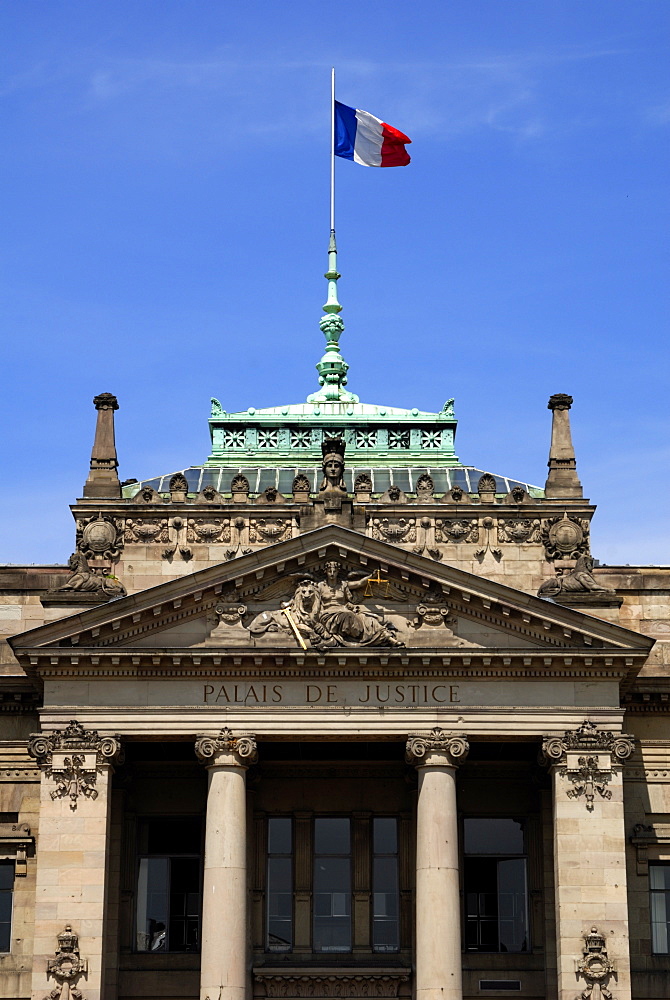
[{"x": 165, "y": 222}]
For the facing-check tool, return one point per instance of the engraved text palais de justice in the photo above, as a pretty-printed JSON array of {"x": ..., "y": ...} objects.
[{"x": 331, "y": 694}]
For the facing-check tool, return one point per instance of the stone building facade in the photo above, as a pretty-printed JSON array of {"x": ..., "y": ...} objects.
[{"x": 334, "y": 715}]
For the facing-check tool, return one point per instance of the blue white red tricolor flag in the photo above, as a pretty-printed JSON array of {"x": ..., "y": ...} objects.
[{"x": 367, "y": 140}]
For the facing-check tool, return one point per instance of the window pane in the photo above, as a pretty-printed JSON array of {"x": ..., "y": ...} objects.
[
  {"x": 332, "y": 904},
  {"x": 385, "y": 835},
  {"x": 280, "y": 904},
  {"x": 6, "y": 874},
  {"x": 493, "y": 836},
  {"x": 184, "y": 904},
  {"x": 152, "y": 904},
  {"x": 512, "y": 917},
  {"x": 331, "y": 836},
  {"x": 659, "y": 882},
  {"x": 279, "y": 836},
  {"x": 6, "y": 893},
  {"x": 385, "y": 905}
]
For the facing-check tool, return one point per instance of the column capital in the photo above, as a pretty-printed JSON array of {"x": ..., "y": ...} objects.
[
  {"x": 239, "y": 750},
  {"x": 436, "y": 748},
  {"x": 74, "y": 757}
]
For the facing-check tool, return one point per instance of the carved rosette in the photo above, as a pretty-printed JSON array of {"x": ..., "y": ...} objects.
[
  {"x": 227, "y": 748},
  {"x": 436, "y": 747},
  {"x": 588, "y": 757},
  {"x": 73, "y": 757},
  {"x": 66, "y": 967}
]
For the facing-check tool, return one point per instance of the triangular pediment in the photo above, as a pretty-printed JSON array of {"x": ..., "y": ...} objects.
[{"x": 379, "y": 600}]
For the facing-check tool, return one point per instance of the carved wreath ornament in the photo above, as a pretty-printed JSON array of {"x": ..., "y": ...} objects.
[
  {"x": 66, "y": 967},
  {"x": 595, "y": 967},
  {"x": 587, "y": 757},
  {"x": 73, "y": 758}
]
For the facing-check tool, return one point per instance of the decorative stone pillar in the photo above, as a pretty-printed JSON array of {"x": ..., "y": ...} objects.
[
  {"x": 562, "y": 480},
  {"x": 72, "y": 851},
  {"x": 589, "y": 853},
  {"x": 103, "y": 480},
  {"x": 224, "y": 965},
  {"x": 436, "y": 755}
]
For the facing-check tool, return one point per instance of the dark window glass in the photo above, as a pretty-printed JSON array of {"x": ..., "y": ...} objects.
[
  {"x": 493, "y": 836},
  {"x": 6, "y": 892},
  {"x": 496, "y": 894},
  {"x": 659, "y": 891},
  {"x": 279, "y": 893},
  {"x": 332, "y": 885},
  {"x": 168, "y": 885},
  {"x": 385, "y": 890}
]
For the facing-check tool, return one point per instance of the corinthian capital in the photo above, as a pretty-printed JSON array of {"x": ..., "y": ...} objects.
[
  {"x": 226, "y": 748},
  {"x": 436, "y": 747}
]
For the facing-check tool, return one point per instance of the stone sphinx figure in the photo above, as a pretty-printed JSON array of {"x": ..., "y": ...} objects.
[
  {"x": 83, "y": 580},
  {"x": 324, "y": 613},
  {"x": 578, "y": 580}
]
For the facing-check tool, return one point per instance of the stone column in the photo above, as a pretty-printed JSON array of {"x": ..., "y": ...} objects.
[
  {"x": 103, "y": 480},
  {"x": 438, "y": 905},
  {"x": 72, "y": 858},
  {"x": 224, "y": 965},
  {"x": 562, "y": 480},
  {"x": 590, "y": 860}
]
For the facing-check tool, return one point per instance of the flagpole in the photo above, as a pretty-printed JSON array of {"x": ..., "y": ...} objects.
[{"x": 332, "y": 149}]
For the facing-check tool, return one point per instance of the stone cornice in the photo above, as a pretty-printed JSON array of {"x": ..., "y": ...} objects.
[{"x": 82, "y": 662}]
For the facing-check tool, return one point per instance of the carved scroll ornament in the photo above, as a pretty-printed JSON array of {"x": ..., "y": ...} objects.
[
  {"x": 421, "y": 746},
  {"x": 587, "y": 757},
  {"x": 73, "y": 757},
  {"x": 243, "y": 748}
]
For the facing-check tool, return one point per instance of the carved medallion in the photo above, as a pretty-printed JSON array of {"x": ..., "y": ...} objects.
[
  {"x": 100, "y": 536},
  {"x": 565, "y": 537}
]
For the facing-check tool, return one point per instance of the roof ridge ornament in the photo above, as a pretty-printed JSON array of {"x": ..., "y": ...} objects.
[{"x": 332, "y": 367}]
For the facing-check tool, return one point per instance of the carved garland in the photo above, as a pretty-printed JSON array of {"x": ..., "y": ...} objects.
[{"x": 73, "y": 757}]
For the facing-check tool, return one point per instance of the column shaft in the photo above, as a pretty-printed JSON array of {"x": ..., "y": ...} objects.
[
  {"x": 438, "y": 906},
  {"x": 224, "y": 909}
]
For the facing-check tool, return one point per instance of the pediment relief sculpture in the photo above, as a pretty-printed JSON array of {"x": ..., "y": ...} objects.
[{"x": 323, "y": 614}]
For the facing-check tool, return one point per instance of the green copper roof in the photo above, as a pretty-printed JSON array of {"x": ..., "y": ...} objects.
[{"x": 292, "y": 434}]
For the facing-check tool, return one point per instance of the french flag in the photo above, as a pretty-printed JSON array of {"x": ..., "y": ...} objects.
[{"x": 361, "y": 137}]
